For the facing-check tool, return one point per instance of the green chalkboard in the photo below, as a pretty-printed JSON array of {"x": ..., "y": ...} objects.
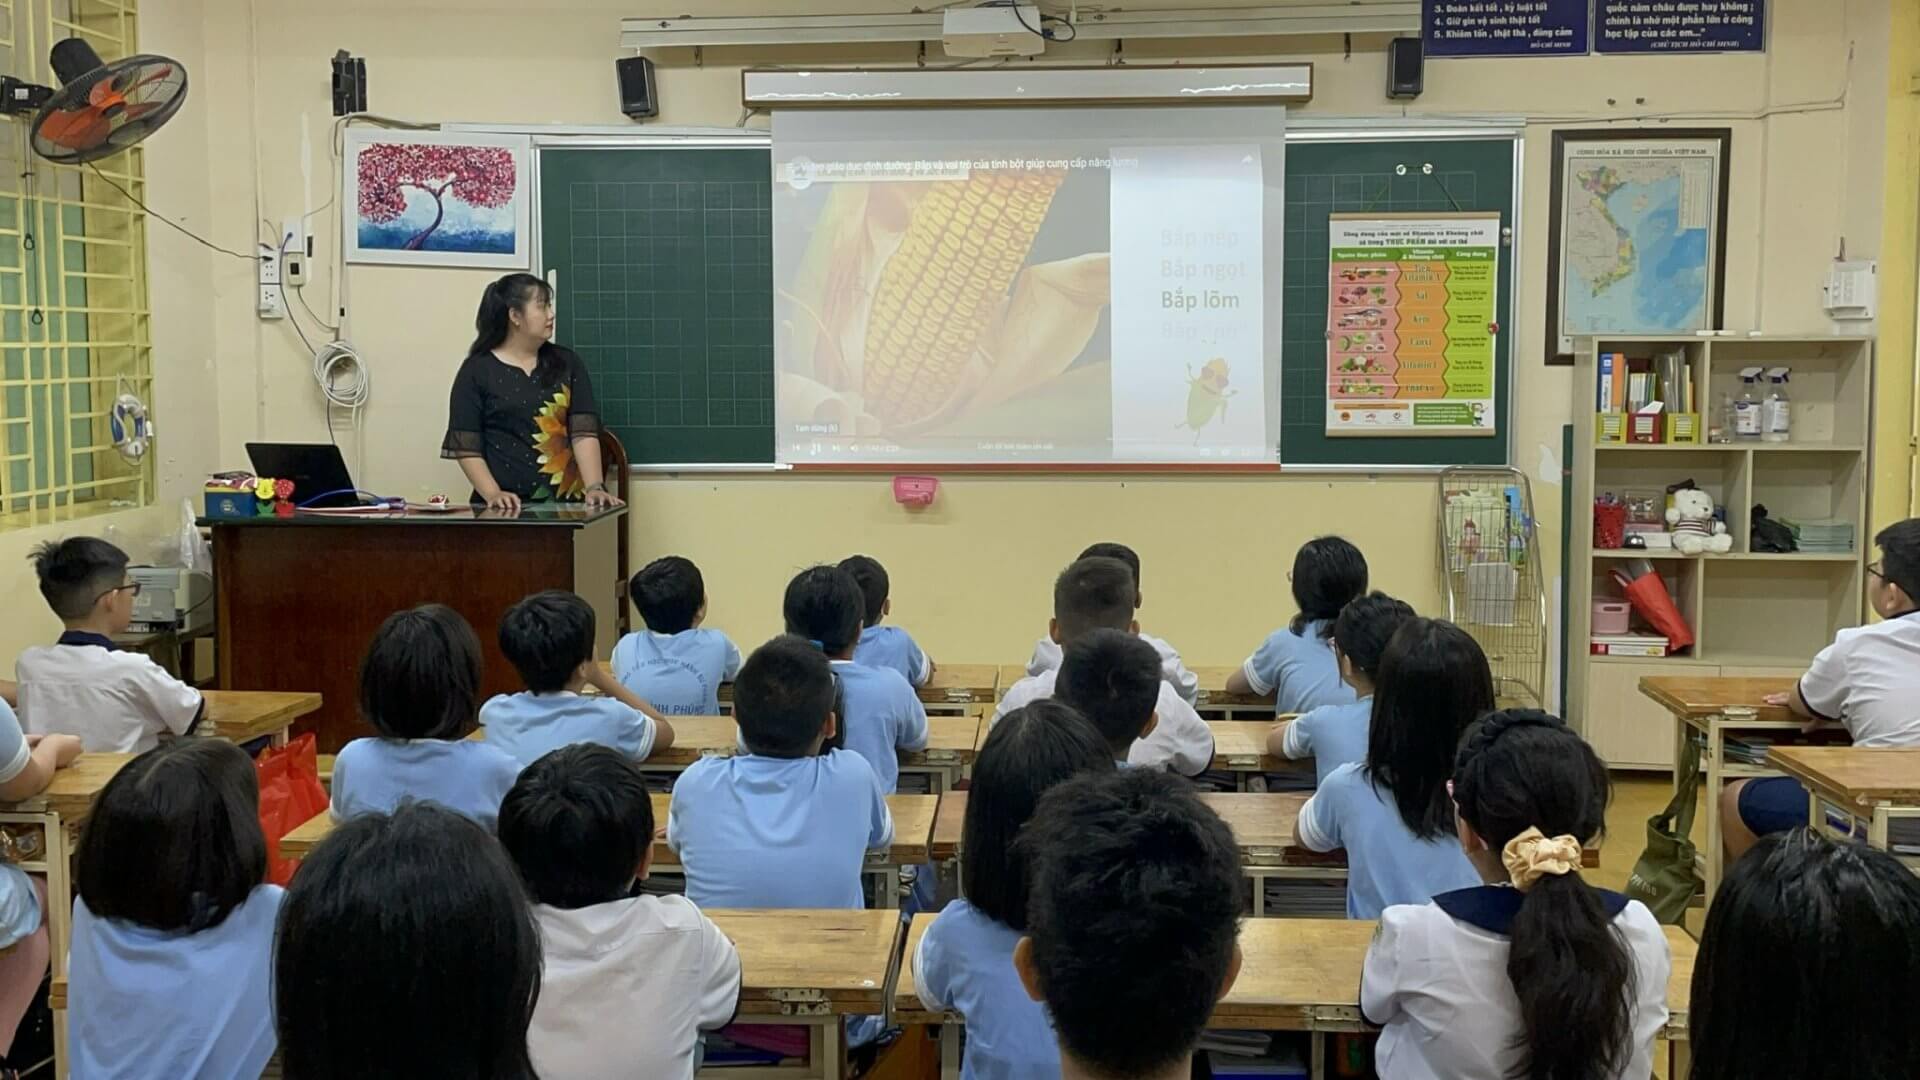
[
  {"x": 664, "y": 263},
  {"x": 663, "y": 260}
]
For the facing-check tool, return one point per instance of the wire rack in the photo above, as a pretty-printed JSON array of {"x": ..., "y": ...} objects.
[{"x": 1490, "y": 559}]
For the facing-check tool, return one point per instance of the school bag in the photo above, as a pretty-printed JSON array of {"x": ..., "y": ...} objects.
[{"x": 1665, "y": 879}]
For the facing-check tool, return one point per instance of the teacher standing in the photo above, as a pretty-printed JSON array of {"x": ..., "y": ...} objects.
[{"x": 522, "y": 420}]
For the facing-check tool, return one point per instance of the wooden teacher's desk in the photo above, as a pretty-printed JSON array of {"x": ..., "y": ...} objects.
[{"x": 300, "y": 597}]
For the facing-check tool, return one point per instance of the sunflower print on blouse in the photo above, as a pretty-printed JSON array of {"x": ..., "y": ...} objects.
[{"x": 559, "y": 472}]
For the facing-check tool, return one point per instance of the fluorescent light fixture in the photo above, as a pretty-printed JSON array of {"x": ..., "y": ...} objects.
[{"x": 763, "y": 88}]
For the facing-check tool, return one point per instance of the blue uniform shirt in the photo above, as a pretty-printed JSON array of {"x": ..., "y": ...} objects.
[
  {"x": 528, "y": 725},
  {"x": 1386, "y": 863},
  {"x": 892, "y": 647},
  {"x": 763, "y": 832},
  {"x": 147, "y": 1003},
  {"x": 965, "y": 963},
  {"x": 19, "y": 903},
  {"x": 679, "y": 674},
  {"x": 467, "y": 777},
  {"x": 1332, "y": 735},
  {"x": 881, "y": 716},
  {"x": 1300, "y": 670}
]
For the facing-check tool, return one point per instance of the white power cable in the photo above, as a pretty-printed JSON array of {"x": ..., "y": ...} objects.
[{"x": 343, "y": 376}]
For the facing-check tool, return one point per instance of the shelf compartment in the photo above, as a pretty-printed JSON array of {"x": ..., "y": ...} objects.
[{"x": 1742, "y": 613}]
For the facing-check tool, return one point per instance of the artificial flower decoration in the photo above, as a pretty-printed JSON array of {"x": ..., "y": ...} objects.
[
  {"x": 263, "y": 489},
  {"x": 283, "y": 489}
]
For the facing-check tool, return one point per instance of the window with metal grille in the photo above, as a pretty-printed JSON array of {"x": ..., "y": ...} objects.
[{"x": 74, "y": 324}]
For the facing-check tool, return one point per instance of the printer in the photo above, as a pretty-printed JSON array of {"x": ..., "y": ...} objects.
[{"x": 171, "y": 598}]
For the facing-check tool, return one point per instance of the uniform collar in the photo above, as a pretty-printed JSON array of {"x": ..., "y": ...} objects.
[
  {"x": 87, "y": 637},
  {"x": 1492, "y": 907}
]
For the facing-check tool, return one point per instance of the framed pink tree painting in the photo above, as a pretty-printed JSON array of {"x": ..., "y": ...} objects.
[{"x": 428, "y": 198}]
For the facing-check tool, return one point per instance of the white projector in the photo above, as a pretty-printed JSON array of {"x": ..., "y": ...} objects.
[{"x": 1006, "y": 30}]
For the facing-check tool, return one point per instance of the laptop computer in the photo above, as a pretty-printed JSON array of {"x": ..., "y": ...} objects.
[{"x": 318, "y": 472}]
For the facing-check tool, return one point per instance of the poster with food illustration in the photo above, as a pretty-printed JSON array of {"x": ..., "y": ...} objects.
[
  {"x": 1410, "y": 328},
  {"x": 1079, "y": 299}
]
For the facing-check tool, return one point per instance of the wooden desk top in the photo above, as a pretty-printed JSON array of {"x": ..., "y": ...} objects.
[
  {"x": 1859, "y": 775},
  {"x": 1262, "y": 824},
  {"x": 952, "y": 684},
  {"x": 1696, "y": 696},
  {"x": 912, "y": 831},
  {"x": 1241, "y": 746},
  {"x": 1298, "y": 974},
  {"x": 795, "y": 963},
  {"x": 951, "y": 740},
  {"x": 74, "y": 788},
  {"x": 1213, "y": 689},
  {"x": 245, "y": 715}
]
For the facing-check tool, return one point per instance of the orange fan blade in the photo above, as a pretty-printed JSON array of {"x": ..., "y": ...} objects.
[
  {"x": 76, "y": 129},
  {"x": 103, "y": 95},
  {"x": 141, "y": 108},
  {"x": 153, "y": 74}
]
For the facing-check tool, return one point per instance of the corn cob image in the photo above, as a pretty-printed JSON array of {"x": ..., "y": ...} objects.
[{"x": 946, "y": 286}]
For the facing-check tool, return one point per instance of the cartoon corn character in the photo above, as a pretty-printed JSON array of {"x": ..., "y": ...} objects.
[{"x": 1207, "y": 396}]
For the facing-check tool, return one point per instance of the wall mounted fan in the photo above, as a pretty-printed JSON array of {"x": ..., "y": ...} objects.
[{"x": 100, "y": 108}]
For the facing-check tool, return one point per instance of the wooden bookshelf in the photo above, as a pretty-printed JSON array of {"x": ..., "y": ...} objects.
[{"x": 1752, "y": 613}]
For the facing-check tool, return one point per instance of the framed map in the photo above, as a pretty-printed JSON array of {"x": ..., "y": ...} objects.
[{"x": 1636, "y": 237}]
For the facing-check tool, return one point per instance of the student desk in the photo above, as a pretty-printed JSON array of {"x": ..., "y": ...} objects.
[
  {"x": 342, "y": 575},
  {"x": 1262, "y": 825},
  {"x": 1874, "y": 785},
  {"x": 1216, "y": 700},
  {"x": 952, "y": 742},
  {"x": 45, "y": 830},
  {"x": 814, "y": 968},
  {"x": 242, "y": 716},
  {"x": 1710, "y": 708},
  {"x": 952, "y": 688},
  {"x": 912, "y": 838},
  {"x": 1240, "y": 748},
  {"x": 1295, "y": 975}
]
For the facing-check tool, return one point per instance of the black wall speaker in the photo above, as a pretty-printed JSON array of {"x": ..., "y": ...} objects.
[
  {"x": 1406, "y": 58},
  {"x": 639, "y": 97}
]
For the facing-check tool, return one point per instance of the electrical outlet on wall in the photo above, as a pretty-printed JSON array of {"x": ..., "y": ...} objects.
[
  {"x": 296, "y": 248},
  {"x": 273, "y": 304}
]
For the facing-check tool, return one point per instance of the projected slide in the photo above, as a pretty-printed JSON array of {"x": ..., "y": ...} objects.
[{"x": 1007, "y": 286}]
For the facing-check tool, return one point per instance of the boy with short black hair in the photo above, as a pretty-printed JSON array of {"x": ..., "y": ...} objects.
[
  {"x": 1097, "y": 593},
  {"x": 884, "y": 646},
  {"x": 881, "y": 715},
  {"x": 548, "y": 637},
  {"x": 1046, "y": 651},
  {"x": 85, "y": 685},
  {"x": 1333, "y": 735},
  {"x": 1134, "y": 913},
  {"x": 782, "y": 825},
  {"x": 1112, "y": 678},
  {"x": 675, "y": 663},
  {"x": 628, "y": 982},
  {"x": 1867, "y": 681}
]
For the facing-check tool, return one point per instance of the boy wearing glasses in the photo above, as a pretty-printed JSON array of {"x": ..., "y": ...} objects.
[
  {"x": 83, "y": 685},
  {"x": 1867, "y": 681}
]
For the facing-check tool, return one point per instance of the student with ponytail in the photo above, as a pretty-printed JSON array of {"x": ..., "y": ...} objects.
[{"x": 1535, "y": 975}]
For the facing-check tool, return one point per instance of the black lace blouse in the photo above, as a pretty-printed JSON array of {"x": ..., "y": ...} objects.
[{"x": 524, "y": 425}]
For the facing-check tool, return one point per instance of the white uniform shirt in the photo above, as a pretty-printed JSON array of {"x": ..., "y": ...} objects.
[
  {"x": 1869, "y": 680},
  {"x": 115, "y": 701},
  {"x": 1047, "y": 653},
  {"x": 626, "y": 987},
  {"x": 1435, "y": 980},
  {"x": 1181, "y": 741}
]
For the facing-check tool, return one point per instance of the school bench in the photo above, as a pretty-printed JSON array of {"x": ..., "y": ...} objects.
[
  {"x": 1300, "y": 975},
  {"x": 1709, "y": 709},
  {"x": 1872, "y": 785},
  {"x": 912, "y": 838}
]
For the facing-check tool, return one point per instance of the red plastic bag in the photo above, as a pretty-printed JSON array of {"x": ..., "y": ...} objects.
[
  {"x": 290, "y": 795},
  {"x": 1651, "y": 601}
]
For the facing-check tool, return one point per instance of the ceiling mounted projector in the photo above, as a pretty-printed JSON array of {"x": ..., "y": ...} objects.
[{"x": 1002, "y": 30}]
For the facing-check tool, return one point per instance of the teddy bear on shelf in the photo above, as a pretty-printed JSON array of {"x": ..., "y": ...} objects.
[{"x": 1695, "y": 530}]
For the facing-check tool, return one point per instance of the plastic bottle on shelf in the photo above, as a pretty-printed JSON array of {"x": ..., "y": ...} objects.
[
  {"x": 1747, "y": 421},
  {"x": 1721, "y": 430},
  {"x": 1777, "y": 413}
]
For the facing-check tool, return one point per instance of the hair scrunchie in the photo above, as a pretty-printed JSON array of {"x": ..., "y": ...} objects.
[{"x": 1533, "y": 855}]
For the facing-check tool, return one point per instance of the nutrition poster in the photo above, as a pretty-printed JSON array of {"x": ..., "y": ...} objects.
[{"x": 1410, "y": 328}]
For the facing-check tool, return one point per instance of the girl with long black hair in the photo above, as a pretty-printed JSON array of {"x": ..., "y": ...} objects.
[
  {"x": 1535, "y": 975},
  {"x": 522, "y": 420}
]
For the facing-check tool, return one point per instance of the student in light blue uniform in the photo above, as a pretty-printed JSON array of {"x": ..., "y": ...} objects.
[
  {"x": 25, "y": 771},
  {"x": 884, "y": 646},
  {"x": 420, "y": 689},
  {"x": 880, "y": 714},
  {"x": 1296, "y": 664},
  {"x": 783, "y": 825},
  {"x": 548, "y": 637},
  {"x": 675, "y": 663},
  {"x": 965, "y": 959},
  {"x": 1392, "y": 812},
  {"x": 1112, "y": 678},
  {"x": 1333, "y": 735},
  {"x": 170, "y": 972}
]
